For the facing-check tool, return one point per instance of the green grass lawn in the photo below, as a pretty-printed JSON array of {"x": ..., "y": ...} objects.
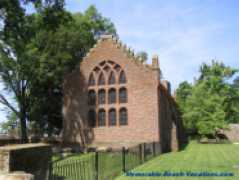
[
  {"x": 76, "y": 156},
  {"x": 195, "y": 158}
]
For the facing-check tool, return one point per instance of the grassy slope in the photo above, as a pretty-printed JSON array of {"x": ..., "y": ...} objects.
[
  {"x": 79, "y": 156},
  {"x": 197, "y": 158}
]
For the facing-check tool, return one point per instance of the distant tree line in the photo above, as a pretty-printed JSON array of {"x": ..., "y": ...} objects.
[{"x": 211, "y": 102}]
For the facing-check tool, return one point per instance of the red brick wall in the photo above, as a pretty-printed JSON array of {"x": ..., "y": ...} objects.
[
  {"x": 171, "y": 130},
  {"x": 148, "y": 105},
  {"x": 142, "y": 102}
]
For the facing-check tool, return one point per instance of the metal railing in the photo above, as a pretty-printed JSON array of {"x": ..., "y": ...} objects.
[{"x": 102, "y": 165}]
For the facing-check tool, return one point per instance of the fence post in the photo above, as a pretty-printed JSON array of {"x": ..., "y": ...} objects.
[
  {"x": 154, "y": 152},
  {"x": 123, "y": 160},
  {"x": 50, "y": 174},
  {"x": 140, "y": 154},
  {"x": 96, "y": 165},
  {"x": 144, "y": 147}
]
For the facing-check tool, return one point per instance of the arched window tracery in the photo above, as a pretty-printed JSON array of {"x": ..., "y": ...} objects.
[
  {"x": 91, "y": 80},
  {"x": 123, "y": 116},
  {"x": 91, "y": 97},
  {"x": 123, "y": 95},
  {"x": 112, "y": 96},
  {"x": 111, "y": 78},
  {"x": 107, "y": 73},
  {"x": 101, "y": 80},
  {"x": 122, "y": 77},
  {"x": 112, "y": 117},
  {"x": 101, "y": 96},
  {"x": 91, "y": 118},
  {"x": 101, "y": 117}
]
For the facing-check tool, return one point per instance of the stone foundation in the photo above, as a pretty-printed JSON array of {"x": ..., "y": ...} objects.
[
  {"x": 30, "y": 158},
  {"x": 17, "y": 176}
]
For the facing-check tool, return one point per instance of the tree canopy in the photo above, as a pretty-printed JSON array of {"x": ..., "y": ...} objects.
[
  {"x": 208, "y": 105},
  {"x": 36, "y": 50}
]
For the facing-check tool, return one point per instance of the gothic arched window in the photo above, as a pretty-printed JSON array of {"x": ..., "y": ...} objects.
[
  {"x": 91, "y": 118},
  {"x": 112, "y": 96},
  {"x": 91, "y": 80},
  {"x": 101, "y": 80},
  {"x": 101, "y": 117},
  {"x": 111, "y": 62},
  {"x": 112, "y": 117},
  {"x": 106, "y": 68},
  {"x": 91, "y": 97},
  {"x": 96, "y": 69},
  {"x": 102, "y": 63},
  {"x": 122, "y": 77},
  {"x": 117, "y": 68},
  {"x": 123, "y": 95},
  {"x": 107, "y": 73},
  {"x": 123, "y": 116},
  {"x": 101, "y": 96},
  {"x": 112, "y": 78}
]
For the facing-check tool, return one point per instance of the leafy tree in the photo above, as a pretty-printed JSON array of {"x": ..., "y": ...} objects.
[
  {"x": 11, "y": 123},
  {"x": 36, "y": 50},
  {"x": 207, "y": 104},
  {"x": 143, "y": 56},
  {"x": 182, "y": 93},
  {"x": 17, "y": 64},
  {"x": 232, "y": 105},
  {"x": 63, "y": 50},
  {"x": 97, "y": 23},
  {"x": 14, "y": 36},
  {"x": 204, "y": 111}
]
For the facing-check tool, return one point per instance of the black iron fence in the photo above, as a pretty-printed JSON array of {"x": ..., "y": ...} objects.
[{"x": 102, "y": 165}]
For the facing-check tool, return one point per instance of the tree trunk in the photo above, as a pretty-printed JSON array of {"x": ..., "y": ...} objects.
[
  {"x": 23, "y": 122},
  {"x": 23, "y": 112}
]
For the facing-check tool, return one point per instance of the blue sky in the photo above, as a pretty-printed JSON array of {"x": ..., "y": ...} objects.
[{"x": 183, "y": 33}]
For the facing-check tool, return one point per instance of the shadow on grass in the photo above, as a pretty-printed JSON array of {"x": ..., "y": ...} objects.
[{"x": 183, "y": 147}]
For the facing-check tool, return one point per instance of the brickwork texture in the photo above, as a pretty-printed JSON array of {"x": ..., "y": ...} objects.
[{"x": 151, "y": 110}]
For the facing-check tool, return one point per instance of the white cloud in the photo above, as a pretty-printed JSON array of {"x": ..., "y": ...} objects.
[
  {"x": 183, "y": 33},
  {"x": 179, "y": 36}
]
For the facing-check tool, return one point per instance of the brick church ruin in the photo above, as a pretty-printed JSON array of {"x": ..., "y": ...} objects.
[{"x": 114, "y": 98}]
